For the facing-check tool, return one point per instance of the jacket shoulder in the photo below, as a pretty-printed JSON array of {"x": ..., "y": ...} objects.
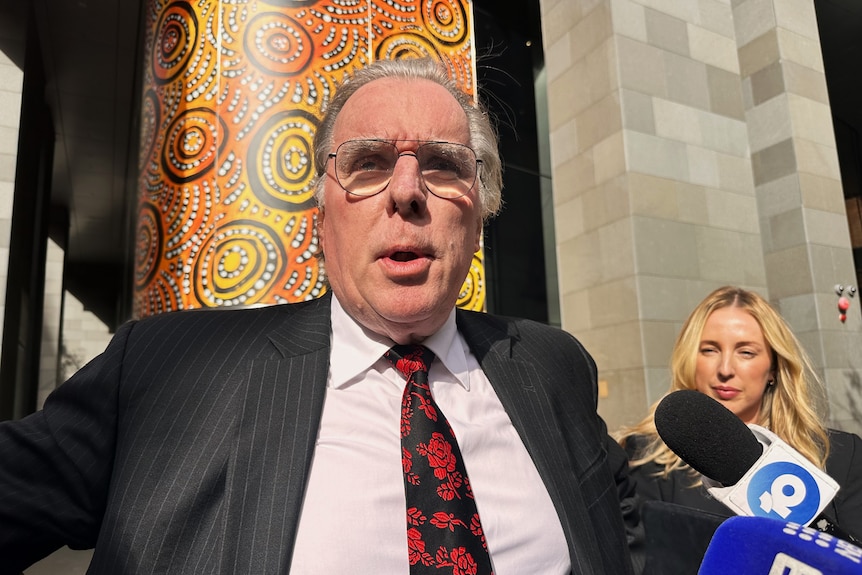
[{"x": 298, "y": 327}]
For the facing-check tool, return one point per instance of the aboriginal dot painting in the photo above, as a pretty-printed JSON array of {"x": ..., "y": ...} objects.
[{"x": 233, "y": 92}]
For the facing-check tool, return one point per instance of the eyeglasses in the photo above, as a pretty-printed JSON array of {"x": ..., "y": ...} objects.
[{"x": 364, "y": 167}]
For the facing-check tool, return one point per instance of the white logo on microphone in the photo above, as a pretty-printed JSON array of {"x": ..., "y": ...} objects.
[
  {"x": 786, "y": 492},
  {"x": 787, "y": 565}
]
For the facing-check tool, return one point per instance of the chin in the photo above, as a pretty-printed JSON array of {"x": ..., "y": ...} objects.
[
  {"x": 406, "y": 312},
  {"x": 401, "y": 307}
]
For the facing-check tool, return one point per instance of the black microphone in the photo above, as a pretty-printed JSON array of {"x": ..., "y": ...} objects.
[
  {"x": 779, "y": 482},
  {"x": 707, "y": 435}
]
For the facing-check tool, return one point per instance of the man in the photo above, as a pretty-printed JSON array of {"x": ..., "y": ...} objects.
[{"x": 268, "y": 441}]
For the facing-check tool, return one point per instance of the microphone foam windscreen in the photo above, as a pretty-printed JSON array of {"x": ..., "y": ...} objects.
[
  {"x": 760, "y": 545},
  {"x": 707, "y": 435}
]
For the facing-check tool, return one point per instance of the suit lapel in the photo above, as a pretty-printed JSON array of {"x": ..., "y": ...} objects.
[
  {"x": 276, "y": 435},
  {"x": 524, "y": 393}
]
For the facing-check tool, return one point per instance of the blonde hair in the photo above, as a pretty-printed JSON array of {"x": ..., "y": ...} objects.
[{"x": 792, "y": 407}]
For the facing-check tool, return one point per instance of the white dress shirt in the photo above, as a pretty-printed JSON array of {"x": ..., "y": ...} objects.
[{"x": 353, "y": 516}]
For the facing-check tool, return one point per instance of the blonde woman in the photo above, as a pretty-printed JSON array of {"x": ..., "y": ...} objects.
[{"x": 737, "y": 349}]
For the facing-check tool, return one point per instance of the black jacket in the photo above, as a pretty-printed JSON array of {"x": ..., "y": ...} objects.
[{"x": 185, "y": 447}]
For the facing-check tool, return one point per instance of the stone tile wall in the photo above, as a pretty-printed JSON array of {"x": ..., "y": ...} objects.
[{"x": 11, "y": 88}]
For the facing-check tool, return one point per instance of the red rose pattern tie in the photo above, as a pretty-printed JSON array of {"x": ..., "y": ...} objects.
[{"x": 443, "y": 528}]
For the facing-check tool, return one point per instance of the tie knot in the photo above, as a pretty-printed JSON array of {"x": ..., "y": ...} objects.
[{"x": 409, "y": 359}]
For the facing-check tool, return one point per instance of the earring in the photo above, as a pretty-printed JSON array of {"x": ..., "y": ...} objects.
[{"x": 770, "y": 383}]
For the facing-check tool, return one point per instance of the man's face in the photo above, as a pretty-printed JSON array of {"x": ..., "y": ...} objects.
[{"x": 397, "y": 260}]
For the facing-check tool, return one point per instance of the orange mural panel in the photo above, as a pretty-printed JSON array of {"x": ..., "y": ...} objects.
[{"x": 233, "y": 93}]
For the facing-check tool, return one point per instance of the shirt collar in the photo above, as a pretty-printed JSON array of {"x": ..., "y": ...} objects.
[{"x": 358, "y": 348}]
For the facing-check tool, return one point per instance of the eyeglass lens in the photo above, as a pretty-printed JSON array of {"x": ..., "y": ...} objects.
[{"x": 365, "y": 167}]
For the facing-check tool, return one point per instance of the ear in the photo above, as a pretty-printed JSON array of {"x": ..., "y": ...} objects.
[
  {"x": 479, "y": 228},
  {"x": 773, "y": 377}
]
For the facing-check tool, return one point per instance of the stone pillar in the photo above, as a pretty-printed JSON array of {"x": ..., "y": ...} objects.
[
  {"x": 652, "y": 180},
  {"x": 806, "y": 239}
]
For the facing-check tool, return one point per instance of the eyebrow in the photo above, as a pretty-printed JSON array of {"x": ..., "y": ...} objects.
[{"x": 737, "y": 344}]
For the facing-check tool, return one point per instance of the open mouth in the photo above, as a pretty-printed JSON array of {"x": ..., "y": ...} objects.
[{"x": 404, "y": 256}]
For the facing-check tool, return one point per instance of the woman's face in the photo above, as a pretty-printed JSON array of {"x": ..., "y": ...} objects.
[{"x": 734, "y": 362}]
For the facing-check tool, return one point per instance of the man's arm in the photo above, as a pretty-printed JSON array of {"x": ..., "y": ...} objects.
[{"x": 55, "y": 465}]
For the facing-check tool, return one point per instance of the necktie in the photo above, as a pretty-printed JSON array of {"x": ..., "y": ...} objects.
[{"x": 443, "y": 527}]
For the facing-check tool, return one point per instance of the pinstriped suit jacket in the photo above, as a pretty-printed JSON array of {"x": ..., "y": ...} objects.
[{"x": 185, "y": 446}]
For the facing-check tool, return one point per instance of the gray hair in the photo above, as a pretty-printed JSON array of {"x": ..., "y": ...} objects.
[{"x": 483, "y": 136}]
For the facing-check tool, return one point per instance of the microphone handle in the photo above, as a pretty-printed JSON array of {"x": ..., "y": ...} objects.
[{"x": 826, "y": 524}]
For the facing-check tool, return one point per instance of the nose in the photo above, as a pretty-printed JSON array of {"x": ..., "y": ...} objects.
[
  {"x": 406, "y": 190},
  {"x": 726, "y": 368}
]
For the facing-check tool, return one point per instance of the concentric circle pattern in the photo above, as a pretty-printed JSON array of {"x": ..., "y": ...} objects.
[
  {"x": 192, "y": 144},
  {"x": 446, "y": 21},
  {"x": 278, "y": 44},
  {"x": 281, "y": 172},
  {"x": 406, "y": 45},
  {"x": 231, "y": 100},
  {"x": 174, "y": 43},
  {"x": 238, "y": 264},
  {"x": 472, "y": 295},
  {"x": 149, "y": 240}
]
